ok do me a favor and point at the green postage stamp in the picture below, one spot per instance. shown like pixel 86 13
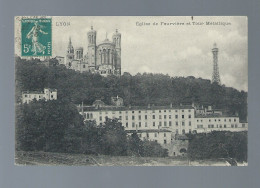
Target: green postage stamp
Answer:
pixel 36 39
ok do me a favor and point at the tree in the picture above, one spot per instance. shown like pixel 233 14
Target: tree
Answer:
pixel 48 126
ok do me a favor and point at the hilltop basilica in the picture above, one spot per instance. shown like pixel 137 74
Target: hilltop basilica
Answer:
pixel 103 58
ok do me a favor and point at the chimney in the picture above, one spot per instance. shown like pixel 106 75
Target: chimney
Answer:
pixel 149 106
pixel 129 106
pixel 171 105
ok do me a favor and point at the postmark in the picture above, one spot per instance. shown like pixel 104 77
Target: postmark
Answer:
pixel 36 35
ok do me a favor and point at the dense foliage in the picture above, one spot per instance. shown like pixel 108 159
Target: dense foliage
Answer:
pixel 216 145
pixel 141 89
pixel 48 126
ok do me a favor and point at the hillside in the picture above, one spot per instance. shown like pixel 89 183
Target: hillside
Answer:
pixel 140 89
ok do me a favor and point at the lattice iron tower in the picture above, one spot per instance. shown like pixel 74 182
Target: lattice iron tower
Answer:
pixel 215 75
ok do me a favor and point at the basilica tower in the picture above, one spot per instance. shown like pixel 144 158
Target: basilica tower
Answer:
pixel 70 53
pixel 117 42
pixel 92 34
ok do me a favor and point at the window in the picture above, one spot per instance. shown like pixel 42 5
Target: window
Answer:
pixel 209 120
pixel 176 123
pixel 145 124
pixel 164 134
pixel 177 131
pixel 160 123
pixel 218 119
pixel 170 123
pixel 165 117
pixel 229 120
pixel 220 126
pixel 232 126
pixel 140 124
pixel 145 116
pixel 160 117
pixel 183 123
pixel 25 95
pixel 225 120
pixel 234 120
pixel 133 117
pixel 199 126
pixel 189 116
pixel 126 118
pixel 159 111
pixel 189 130
pixel 139 111
pixel 182 116
pixel 182 110
pixel 100 118
pixel 154 124
pixel 225 126
pixel 147 134
pixel 189 123
pixel 139 118
pixel 133 111
pixel 215 120
pixel 197 120
pixel 165 142
pixel 120 112
pixel 169 110
pixel 170 117
pixel 51 96
pixel 126 124
pixel 133 124
pixel 155 134
pixel 120 117
pixel 164 110
pixel 189 110
pixel 153 116
pixel 153 111
pixel 183 131
pixel 176 111
pixel 176 116
pixel 165 123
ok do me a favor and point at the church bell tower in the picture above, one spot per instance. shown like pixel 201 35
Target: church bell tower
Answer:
pixel 117 42
pixel 92 34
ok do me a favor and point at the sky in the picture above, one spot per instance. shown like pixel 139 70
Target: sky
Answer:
pixel 176 50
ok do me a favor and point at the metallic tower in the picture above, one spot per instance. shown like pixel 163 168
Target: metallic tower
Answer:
pixel 215 75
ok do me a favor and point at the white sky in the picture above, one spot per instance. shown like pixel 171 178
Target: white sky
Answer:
pixel 174 50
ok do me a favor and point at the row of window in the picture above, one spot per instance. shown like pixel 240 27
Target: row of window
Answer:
pixel 219 126
pixel 160 124
pixel 201 120
pixel 153 111
pixel 146 117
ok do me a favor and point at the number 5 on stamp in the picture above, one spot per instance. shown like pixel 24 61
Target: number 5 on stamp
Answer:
pixel 36 37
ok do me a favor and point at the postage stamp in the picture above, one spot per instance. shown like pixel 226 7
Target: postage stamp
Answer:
pixel 36 37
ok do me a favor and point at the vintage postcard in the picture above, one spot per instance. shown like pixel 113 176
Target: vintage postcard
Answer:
pixel 131 91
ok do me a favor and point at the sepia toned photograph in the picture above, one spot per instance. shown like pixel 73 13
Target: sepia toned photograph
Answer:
pixel 131 91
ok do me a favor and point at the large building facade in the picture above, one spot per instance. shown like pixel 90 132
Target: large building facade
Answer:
pixel 161 123
pixel 103 58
